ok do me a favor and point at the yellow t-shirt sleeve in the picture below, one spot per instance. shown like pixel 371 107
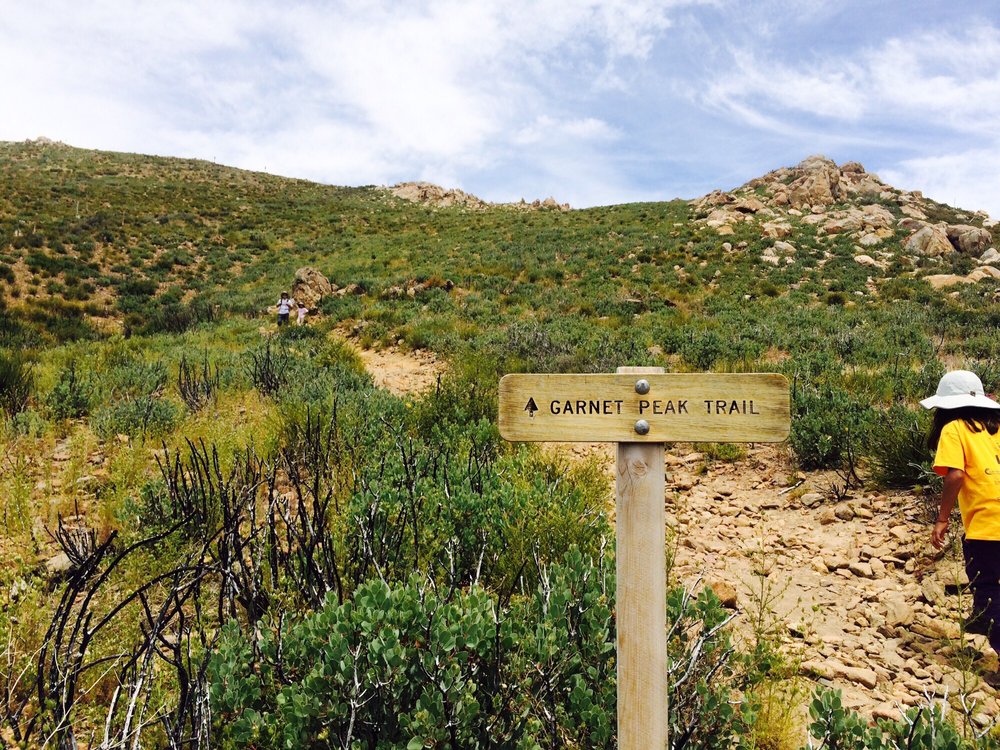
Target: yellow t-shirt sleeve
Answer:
pixel 950 454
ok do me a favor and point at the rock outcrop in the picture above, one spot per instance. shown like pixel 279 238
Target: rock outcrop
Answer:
pixel 310 287
pixel 429 194
pixel 930 242
pixel 886 226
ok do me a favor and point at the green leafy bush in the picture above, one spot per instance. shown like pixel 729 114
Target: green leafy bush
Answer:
pixel 413 666
pixel 71 396
pixel 829 426
pixel 131 377
pixel 923 728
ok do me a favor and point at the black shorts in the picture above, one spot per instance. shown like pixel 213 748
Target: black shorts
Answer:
pixel 982 565
pixel 282 319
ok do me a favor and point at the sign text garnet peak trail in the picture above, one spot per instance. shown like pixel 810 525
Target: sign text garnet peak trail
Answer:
pixel 702 407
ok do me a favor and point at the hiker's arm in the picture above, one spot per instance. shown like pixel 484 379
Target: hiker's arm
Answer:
pixel 953 481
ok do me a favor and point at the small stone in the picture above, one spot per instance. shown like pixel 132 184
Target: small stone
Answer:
pixel 797 629
pixel 860 569
pixel 932 590
pixel 888 711
pixel 725 592
pixel 58 566
pixel 901 533
pixel 898 612
pixel 844 512
pixel 811 499
pixel 835 562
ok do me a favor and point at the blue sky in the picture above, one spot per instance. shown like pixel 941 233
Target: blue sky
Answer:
pixel 592 102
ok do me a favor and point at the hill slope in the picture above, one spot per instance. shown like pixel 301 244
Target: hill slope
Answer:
pixel 818 271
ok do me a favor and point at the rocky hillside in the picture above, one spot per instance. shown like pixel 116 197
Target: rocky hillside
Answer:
pixel 137 315
pixel 847 201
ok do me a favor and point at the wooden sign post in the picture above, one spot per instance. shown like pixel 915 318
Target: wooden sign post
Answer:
pixel 640 409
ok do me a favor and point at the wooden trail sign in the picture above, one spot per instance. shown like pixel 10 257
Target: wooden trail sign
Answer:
pixel 611 408
pixel 641 408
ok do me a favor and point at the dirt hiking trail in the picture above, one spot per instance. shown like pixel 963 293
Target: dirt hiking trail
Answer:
pixel 402 373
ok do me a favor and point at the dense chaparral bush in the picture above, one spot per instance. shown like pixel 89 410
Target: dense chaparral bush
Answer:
pixel 414 665
pixel 829 426
pixel 72 396
pixel 896 448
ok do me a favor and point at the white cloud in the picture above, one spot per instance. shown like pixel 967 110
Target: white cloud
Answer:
pixel 940 79
pixel 966 179
pixel 575 98
pixel 546 128
pixel 349 92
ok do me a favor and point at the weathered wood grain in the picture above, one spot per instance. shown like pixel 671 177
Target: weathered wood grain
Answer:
pixel 640 609
pixel 697 407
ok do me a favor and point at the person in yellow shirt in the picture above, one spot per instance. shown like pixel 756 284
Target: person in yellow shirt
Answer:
pixel 965 436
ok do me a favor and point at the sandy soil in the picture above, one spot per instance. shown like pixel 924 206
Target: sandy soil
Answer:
pixel 402 372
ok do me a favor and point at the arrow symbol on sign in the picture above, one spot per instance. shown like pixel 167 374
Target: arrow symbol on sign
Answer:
pixel 531 407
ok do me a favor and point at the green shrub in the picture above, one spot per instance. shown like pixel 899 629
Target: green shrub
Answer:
pixel 410 665
pixel 16 382
pixel 924 728
pixel 143 416
pixel 829 426
pixel 702 349
pixel 72 396
pixel 896 447
pixel 28 423
pixel 131 378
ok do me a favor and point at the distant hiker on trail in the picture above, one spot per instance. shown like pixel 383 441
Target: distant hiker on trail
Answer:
pixel 301 314
pixel 285 305
pixel 966 437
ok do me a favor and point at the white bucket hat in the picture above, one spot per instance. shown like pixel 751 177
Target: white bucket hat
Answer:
pixel 959 388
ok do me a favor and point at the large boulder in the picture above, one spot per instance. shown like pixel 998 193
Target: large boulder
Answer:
pixel 944 280
pixel 310 287
pixel 844 221
pixel 819 185
pixel 929 241
pixel 748 205
pixel 878 217
pixel 984 272
pixel 969 239
pixel 990 256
